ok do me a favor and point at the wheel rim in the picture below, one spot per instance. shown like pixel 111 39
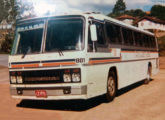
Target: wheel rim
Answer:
pixel 111 86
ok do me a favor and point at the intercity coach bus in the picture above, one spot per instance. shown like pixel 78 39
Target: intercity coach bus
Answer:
pixel 79 56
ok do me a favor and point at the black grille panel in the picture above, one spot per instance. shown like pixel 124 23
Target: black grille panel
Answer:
pixel 45 76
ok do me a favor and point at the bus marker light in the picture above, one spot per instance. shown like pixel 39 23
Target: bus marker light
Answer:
pixel 67 71
pixel 13 79
pixel 67 77
pixel 76 70
pixel 76 77
pixel 19 79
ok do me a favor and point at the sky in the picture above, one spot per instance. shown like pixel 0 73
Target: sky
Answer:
pixel 103 6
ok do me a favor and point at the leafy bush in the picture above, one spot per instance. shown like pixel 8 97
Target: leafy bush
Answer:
pixel 7 43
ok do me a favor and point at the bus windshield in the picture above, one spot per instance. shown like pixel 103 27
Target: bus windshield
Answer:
pixel 29 38
pixel 61 35
pixel 64 34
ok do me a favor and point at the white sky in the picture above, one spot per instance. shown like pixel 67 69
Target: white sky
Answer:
pixel 103 6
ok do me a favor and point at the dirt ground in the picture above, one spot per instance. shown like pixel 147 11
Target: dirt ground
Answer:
pixel 137 102
pixel 162 62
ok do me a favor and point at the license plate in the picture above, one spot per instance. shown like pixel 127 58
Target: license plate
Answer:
pixel 41 93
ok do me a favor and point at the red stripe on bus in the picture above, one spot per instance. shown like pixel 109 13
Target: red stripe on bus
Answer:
pixel 25 66
pixel 137 52
pixel 58 64
pixel 44 65
pixel 103 61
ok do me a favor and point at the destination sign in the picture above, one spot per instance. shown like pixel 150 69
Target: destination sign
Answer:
pixel 30 27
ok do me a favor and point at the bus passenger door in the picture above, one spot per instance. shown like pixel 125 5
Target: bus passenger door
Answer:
pixel 98 52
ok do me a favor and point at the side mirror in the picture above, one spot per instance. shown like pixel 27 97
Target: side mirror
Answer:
pixel 93 33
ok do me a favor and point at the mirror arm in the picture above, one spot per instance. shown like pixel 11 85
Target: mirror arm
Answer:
pixel 94 47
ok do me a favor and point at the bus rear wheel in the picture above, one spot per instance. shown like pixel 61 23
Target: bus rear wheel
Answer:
pixel 149 72
pixel 111 87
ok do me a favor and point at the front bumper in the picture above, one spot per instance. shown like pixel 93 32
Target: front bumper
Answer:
pixel 53 93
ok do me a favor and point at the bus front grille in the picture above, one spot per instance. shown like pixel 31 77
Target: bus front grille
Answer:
pixel 45 76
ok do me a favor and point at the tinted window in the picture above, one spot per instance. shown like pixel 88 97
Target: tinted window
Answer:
pixel 138 39
pixel 30 41
pixel 113 33
pixel 100 33
pixel 128 36
pixel 29 38
pixel 153 42
pixel 146 41
pixel 64 35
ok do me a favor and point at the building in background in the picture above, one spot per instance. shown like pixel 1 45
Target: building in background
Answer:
pixel 127 19
pixel 148 23
pixel 151 24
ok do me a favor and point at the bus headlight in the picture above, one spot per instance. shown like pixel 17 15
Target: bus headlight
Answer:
pixel 67 77
pixel 76 77
pixel 19 79
pixel 13 79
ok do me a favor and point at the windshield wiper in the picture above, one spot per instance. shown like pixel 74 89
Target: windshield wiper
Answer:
pixel 24 54
pixel 60 52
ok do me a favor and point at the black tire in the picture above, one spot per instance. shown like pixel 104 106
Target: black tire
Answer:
pixel 111 87
pixel 149 73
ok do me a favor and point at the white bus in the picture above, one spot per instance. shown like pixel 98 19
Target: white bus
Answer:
pixel 79 56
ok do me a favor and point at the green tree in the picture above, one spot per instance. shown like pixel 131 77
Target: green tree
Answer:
pixel 7 43
pixel 135 13
pixel 4 7
pixel 158 11
pixel 10 10
pixel 119 7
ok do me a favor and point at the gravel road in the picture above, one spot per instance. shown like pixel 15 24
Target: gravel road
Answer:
pixel 137 102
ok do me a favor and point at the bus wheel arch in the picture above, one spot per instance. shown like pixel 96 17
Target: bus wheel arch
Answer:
pixel 150 64
pixel 150 69
pixel 112 84
pixel 149 73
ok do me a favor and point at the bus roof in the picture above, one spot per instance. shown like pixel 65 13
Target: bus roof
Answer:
pixel 93 15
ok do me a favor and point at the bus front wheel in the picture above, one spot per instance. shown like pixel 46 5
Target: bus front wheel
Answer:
pixel 111 87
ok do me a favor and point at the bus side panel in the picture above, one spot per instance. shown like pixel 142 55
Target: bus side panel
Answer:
pixel 131 72
pixel 97 79
pixel 127 72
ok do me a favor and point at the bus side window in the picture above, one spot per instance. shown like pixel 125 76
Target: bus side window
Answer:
pixel 100 33
pixel 136 36
pixel 90 47
pixel 113 33
pixel 128 36
pixel 101 42
pixel 145 41
pixel 153 42
pixel 141 40
pixel 149 41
